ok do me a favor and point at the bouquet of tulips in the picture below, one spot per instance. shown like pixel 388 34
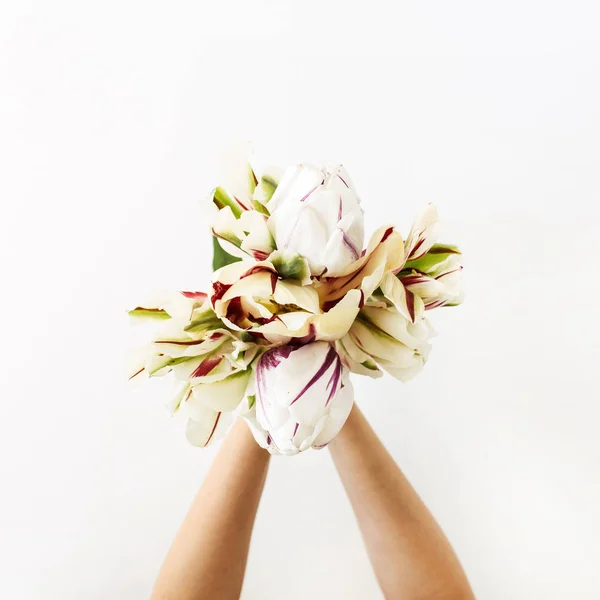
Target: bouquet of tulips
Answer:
pixel 295 305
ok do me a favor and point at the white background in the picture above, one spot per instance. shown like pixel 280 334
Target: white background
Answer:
pixel 112 118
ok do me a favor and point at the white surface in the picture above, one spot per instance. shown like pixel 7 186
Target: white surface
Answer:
pixel 113 115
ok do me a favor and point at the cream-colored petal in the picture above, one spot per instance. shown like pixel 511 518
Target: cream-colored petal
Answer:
pixel 290 292
pixel 406 302
pixel 210 426
pixel 222 395
pixel 384 253
pixel 423 233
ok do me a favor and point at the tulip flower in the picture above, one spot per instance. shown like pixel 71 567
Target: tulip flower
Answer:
pixel 430 274
pixel 423 233
pixel 384 254
pixel 316 213
pixel 303 398
pixel 246 235
pixel 436 277
pixel 381 337
pixel 253 298
pixel 250 186
pixel 241 222
pixel 212 363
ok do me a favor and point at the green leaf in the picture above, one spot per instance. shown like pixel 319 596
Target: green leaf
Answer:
pixel 251 401
pixel 220 256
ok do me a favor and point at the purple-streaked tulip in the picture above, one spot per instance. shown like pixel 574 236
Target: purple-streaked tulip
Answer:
pixel 381 337
pixel 303 397
pixel 436 277
pixel 212 363
pixel 246 235
pixel 316 213
pixel 384 254
pixel 423 233
pixel 241 222
pixel 253 298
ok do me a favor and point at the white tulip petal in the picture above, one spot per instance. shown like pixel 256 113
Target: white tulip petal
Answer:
pixel 275 339
pixel 213 369
pixel 232 249
pixel 308 405
pixel 255 309
pixel 187 347
pixel 136 361
pixel 224 395
pixel 338 415
pixel 350 348
pixel 296 185
pixel 181 396
pixel 352 224
pixel 406 302
pixel 304 297
pixel 423 234
pixel 368 368
pixel 267 184
pixel 326 204
pixel 404 374
pixel 231 273
pixel 422 285
pixel 301 229
pixel 340 252
pixel 384 253
pixel 308 441
pixel 269 414
pixel 260 435
pixel 225 224
pixel 338 178
pixel 380 345
pixel 333 324
pixel 259 284
pixel 393 324
pixel 210 426
pixel 293 324
pixel 238 175
pixel 157 366
pixel 257 240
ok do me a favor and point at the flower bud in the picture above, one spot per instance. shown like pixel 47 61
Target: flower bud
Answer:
pixel 303 398
pixel 315 212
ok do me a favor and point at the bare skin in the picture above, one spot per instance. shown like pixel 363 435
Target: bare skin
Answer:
pixel 208 557
pixel 410 554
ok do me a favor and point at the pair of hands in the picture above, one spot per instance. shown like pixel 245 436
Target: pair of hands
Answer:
pixel 410 554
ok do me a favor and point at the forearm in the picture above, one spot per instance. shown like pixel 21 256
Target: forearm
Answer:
pixel 410 554
pixel 208 557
